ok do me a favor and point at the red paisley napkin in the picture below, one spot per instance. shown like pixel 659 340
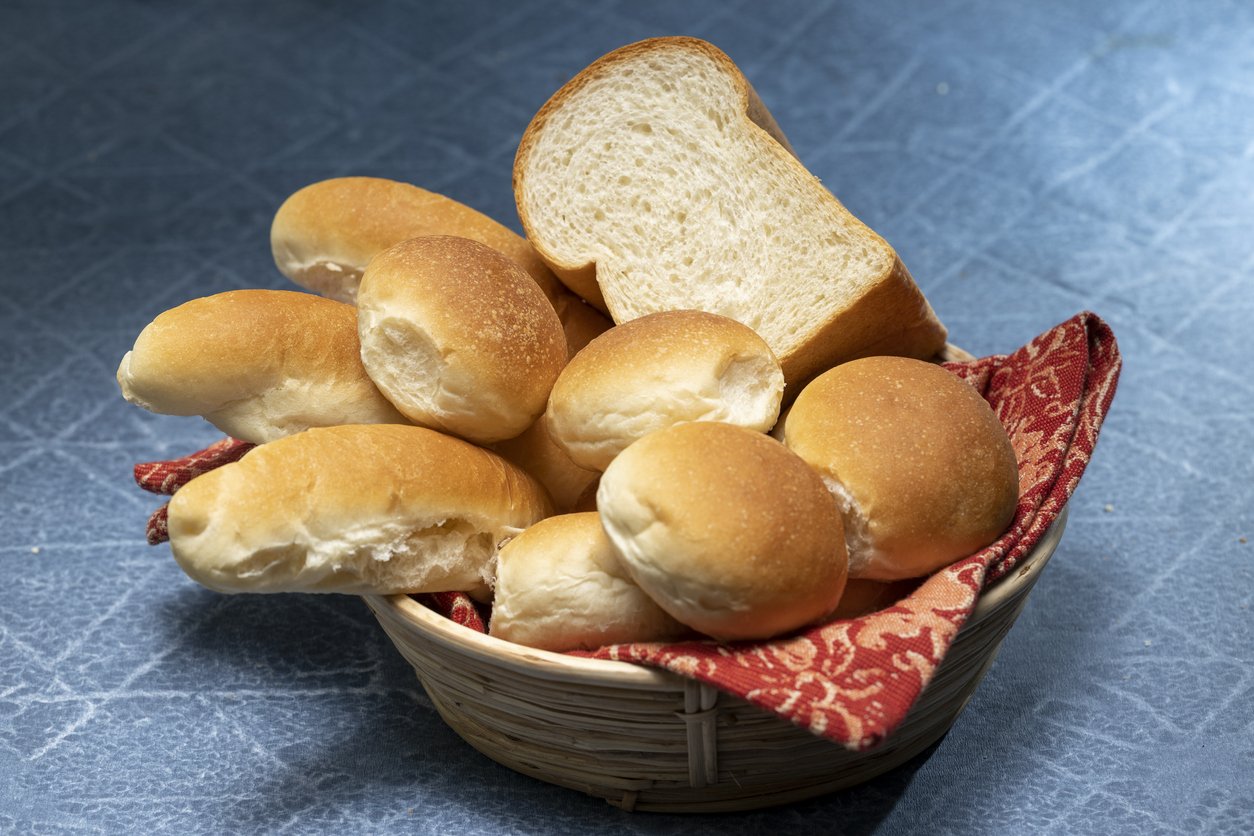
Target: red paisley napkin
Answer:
pixel 853 680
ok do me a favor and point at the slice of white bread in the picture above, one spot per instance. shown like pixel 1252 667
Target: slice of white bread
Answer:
pixel 658 172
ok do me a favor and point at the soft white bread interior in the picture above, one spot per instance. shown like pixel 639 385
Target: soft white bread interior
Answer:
pixel 659 370
pixel 359 509
pixel 726 529
pixel 257 364
pixel 560 586
pixel 458 337
pixel 324 235
pixel 536 452
pixel 922 468
pixel 655 170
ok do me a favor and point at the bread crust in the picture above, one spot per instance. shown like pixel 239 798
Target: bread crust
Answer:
pixel 257 364
pixel 377 509
pixel 892 317
pixel 925 469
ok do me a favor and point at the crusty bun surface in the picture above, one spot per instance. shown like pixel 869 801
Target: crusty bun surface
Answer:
pixel 257 364
pixel 376 509
pixel 657 174
pixel 725 529
pixel 536 452
pixel 325 234
pixel 458 337
pixel 659 370
pixel 923 470
pixel 560 586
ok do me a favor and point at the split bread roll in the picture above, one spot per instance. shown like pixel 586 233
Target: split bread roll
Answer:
pixel 458 337
pixel 659 370
pixel 365 509
pixel 325 234
pixel 921 466
pixel 560 586
pixel 656 174
pixel 257 364
pixel 726 529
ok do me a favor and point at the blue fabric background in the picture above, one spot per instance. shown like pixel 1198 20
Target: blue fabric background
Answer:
pixel 1028 160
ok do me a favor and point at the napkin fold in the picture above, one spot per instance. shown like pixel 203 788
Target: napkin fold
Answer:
pixel 854 680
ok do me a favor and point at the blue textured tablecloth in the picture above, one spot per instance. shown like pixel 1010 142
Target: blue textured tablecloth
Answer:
pixel 1028 160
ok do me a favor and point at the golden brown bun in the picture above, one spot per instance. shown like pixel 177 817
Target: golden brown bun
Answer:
pixel 659 370
pixel 535 452
pixel 726 529
pixel 257 364
pixel 560 586
pixel 863 597
pixel 922 467
pixel 360 509
pixel 324 235
pixel 458 337
pixel 658 174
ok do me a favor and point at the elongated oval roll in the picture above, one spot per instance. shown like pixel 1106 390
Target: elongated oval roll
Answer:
pixel 725 529
pixel 458 337
pixel 257 364
pixel 560 586
pixel 923 469
pixel 359 509
pixel 325 234
pixel 659 370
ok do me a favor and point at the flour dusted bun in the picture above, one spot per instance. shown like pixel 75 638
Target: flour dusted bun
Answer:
pixel 536 452
pixel 923 469
pixel 560 586
pixel 725 529
pixel 324 235
pixel 458 337
pixel 657 173
pixel 257 364
pixel 358 509
pixel 659 370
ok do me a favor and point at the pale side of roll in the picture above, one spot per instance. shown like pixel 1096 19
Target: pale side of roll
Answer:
pixel 726 529
pixel 921 466
pixel 536 452
pixel 659 370
pixel 257 364
pixel 458 338
pixel 364 509
pixel 325 234
pixel 560 586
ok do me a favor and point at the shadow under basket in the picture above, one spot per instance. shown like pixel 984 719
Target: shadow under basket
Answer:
pixel 646 739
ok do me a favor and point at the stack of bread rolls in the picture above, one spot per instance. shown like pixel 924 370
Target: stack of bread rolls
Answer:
pixel 460 413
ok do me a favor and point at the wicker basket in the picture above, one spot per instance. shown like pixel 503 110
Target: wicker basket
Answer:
pixel 646 739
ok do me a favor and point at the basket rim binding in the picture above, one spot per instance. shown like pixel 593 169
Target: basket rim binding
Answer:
pixel 544 664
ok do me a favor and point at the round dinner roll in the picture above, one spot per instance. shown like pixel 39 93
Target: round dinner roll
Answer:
pixel 535 452
pixel 659 370
pixel 458 338
pixel 560 586
pixel 325 234
pixel 364 509
pixel 257 364
pixel 922 468
pixel 725 529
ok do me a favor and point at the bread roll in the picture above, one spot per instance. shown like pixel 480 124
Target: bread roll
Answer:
pixel 657 174
pixel 359 509
pixel 863 597
pixel 923 469
pixel 324 235
pixel 725 529
pixel 257 364
pixel 559 586
pixel 659 370
pixel 536 452
pixel 458 337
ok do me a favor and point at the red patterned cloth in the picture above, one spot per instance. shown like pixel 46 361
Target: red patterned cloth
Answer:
pixel 853 680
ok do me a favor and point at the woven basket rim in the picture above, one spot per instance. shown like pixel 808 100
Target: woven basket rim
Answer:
pixel 546 664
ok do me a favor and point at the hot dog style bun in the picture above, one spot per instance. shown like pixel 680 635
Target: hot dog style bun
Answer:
pixel 373 509
pixel 923 470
